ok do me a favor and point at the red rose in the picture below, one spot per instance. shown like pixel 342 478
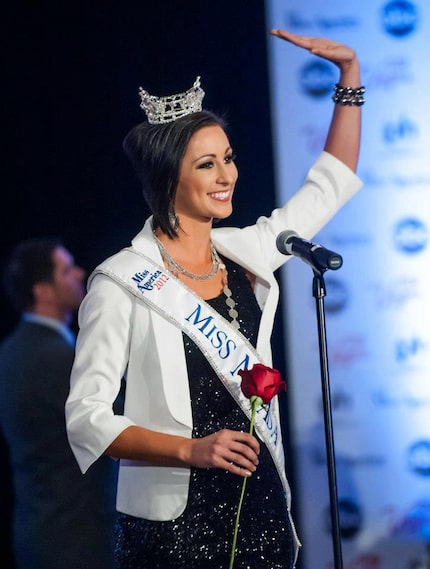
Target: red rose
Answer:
pixel 261 381
pixel 260 385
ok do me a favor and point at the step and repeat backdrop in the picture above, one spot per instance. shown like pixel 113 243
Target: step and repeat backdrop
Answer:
pixel 378 304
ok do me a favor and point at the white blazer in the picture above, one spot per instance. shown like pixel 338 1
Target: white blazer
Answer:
pixel 120 336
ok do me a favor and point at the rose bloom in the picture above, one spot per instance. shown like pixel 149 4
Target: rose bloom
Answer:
pixel 261 381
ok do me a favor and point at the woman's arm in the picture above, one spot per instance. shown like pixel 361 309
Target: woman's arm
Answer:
pixel 106 318
pixel 343 138
pixel 234 451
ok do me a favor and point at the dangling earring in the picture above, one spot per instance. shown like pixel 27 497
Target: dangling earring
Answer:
pixel 173 218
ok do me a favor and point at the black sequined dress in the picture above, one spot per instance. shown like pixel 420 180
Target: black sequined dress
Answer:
pixel 201 538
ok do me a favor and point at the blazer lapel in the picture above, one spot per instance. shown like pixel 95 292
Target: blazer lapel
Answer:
pixel 169 341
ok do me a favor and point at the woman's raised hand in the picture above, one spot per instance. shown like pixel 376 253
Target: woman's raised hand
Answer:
pixel 343 137
pixel 338 53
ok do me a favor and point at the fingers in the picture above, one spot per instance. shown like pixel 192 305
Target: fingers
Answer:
pixel 241 459
pixel 328 49
pixel 247 442
pixel 301 41
pixel 318 46
pixel 314 45
pixel 233 451
pixel 238 452
pixel 238 470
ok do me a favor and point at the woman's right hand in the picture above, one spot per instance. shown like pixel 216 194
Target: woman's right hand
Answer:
pixel 233 451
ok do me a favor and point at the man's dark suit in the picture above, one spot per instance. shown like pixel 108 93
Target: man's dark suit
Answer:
pixel 62 519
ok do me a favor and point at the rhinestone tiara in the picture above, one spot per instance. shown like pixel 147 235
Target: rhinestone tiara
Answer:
pixel 160 110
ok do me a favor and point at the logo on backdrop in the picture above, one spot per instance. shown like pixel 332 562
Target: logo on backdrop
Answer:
pixel 389 398
pixel 317 78
pixel 402 130
pixel 350 518
pixel 395 179
pixel 414 523
pixel 337 295
pixel 341 400
pixel 418 457
pixel 301 21
pixel 410 236
pixel 356 238
pixel 392 70
pixel 348 350
pixel 399 18
pixel 406 350
pixel 394 294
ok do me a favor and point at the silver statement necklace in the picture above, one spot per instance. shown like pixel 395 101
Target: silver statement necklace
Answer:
pixel 175 268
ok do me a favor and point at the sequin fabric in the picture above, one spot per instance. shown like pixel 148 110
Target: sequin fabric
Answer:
pixel 201 537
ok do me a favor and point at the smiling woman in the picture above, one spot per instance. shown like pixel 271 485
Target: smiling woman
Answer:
pixel 179 314
pixel 207 178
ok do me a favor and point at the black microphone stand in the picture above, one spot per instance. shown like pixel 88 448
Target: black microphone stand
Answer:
pixel 320 259
pixel 319 292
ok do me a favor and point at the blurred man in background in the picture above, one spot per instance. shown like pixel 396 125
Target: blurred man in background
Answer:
pixel 61 518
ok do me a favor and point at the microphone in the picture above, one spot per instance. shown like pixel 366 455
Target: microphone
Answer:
pixel 320 258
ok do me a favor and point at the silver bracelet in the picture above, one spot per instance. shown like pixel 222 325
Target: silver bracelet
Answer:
pixel 348 95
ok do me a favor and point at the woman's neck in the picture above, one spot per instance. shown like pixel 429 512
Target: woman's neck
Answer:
pixel 192 244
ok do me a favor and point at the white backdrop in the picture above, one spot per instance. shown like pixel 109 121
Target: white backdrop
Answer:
pixel 378 303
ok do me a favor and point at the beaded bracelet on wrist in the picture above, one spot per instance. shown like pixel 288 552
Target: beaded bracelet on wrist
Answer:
pixel 348 95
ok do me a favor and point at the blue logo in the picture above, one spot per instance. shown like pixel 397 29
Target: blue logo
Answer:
pixel 341 400
pixel 416 524
pixel 336 298
pixel 350 518
pixel 399 18
pixel 419 458
pixel 403 129
pixel 406 350
pixel 410 236
pixel 317 78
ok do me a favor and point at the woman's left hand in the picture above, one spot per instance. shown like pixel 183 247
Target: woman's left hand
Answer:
pixel 341 55
pixel 343 138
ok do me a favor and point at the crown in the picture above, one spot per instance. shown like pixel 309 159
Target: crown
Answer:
pixel 161 110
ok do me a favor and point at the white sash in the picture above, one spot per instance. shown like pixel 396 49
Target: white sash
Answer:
pixel 225 348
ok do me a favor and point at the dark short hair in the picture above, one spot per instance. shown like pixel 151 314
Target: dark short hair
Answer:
pixel 31 262
pixel 156 152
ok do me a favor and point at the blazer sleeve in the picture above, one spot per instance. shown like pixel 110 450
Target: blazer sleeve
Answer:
pixel 329 184
pixel 102 350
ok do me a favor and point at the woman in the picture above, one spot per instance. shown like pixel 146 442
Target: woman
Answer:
pixel 178 314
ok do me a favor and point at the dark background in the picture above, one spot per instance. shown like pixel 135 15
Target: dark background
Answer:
pixel 70 94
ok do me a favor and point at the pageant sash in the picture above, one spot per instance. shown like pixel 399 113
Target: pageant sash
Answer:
pixel 226 349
